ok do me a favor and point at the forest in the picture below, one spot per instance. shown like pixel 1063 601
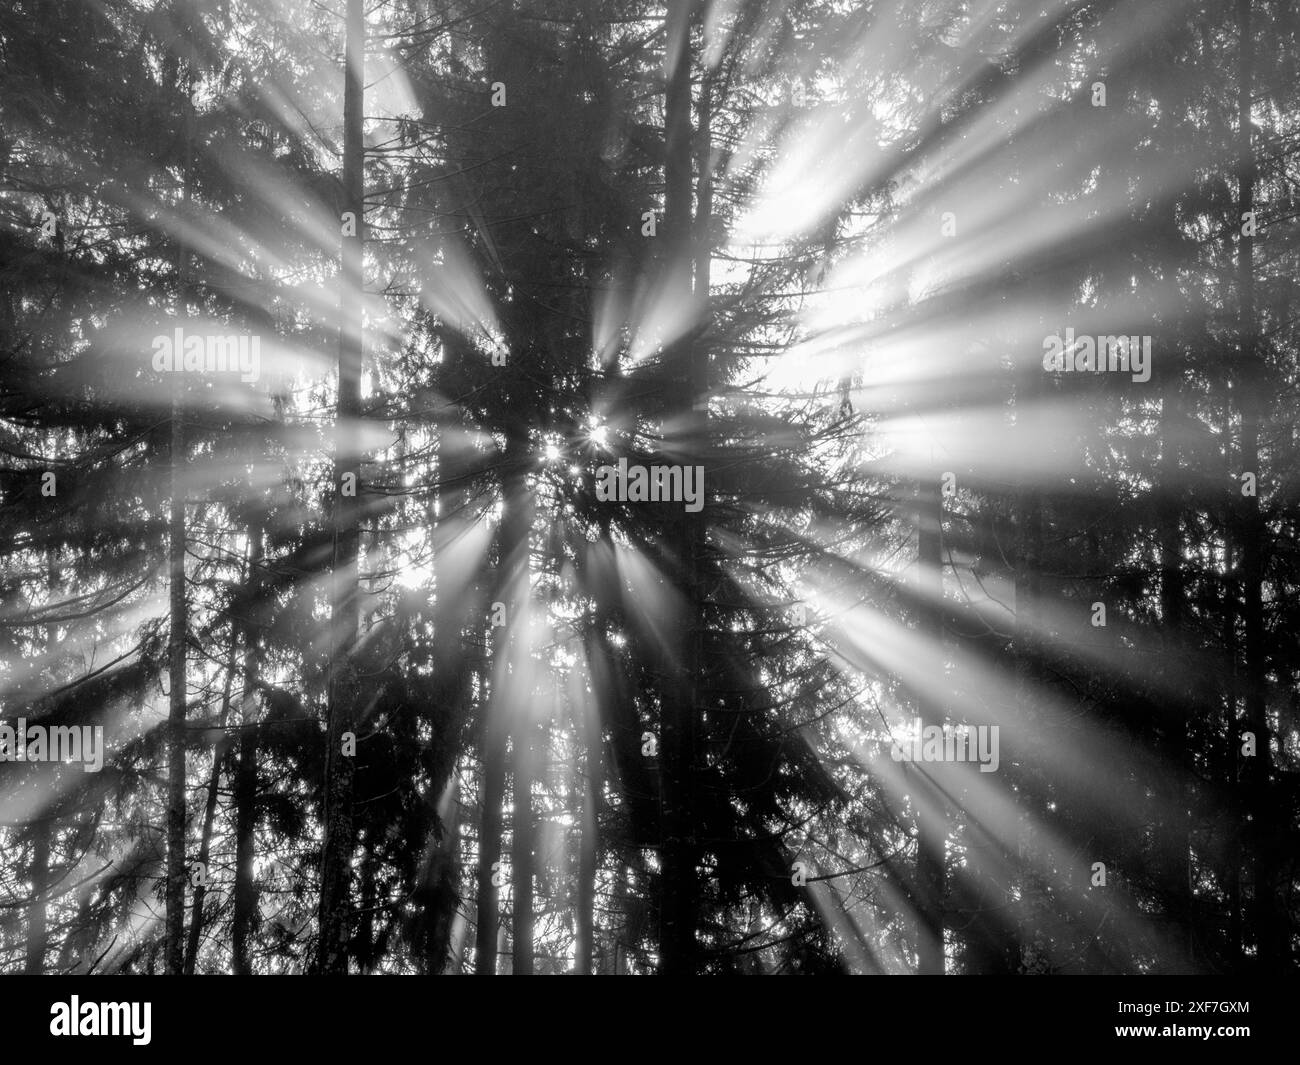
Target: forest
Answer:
pixel 626 487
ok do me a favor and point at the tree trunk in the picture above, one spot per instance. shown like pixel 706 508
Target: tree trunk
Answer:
pixel 1029 676
pixel 1176 828
pixel 589 840
pixel 492 738
pixel 1230 754
pixel 523 843
pixel 1269 942
pixel 37 908
pixel 334 917
pixel 173 951
pixel 219 753
pixel 931 824
pixel 245 902
pixel 678 951
pixel 506 702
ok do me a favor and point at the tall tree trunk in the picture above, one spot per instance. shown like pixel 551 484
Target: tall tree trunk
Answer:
pixel 520 697
pixel 678 950
pixel 531 733
pixel 1230 754
pixel 506 702
pixel 605 684
pixel 219 753
pixel 616 958
pixel 523 842
pixel 364 933
pixel 37 909
pixel 455 668
pixel 176 705
pixel 1027 652
pixel 245 902
pixel 1176 828
pixel 589 839
pixel 334 918
pixel 174 942
pixel 1269 943
pixel 931 824
pixel 492 739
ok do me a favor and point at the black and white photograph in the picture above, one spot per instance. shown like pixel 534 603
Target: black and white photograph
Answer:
pixel 650 488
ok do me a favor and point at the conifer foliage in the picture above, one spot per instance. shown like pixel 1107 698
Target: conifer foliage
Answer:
pixel 691 487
